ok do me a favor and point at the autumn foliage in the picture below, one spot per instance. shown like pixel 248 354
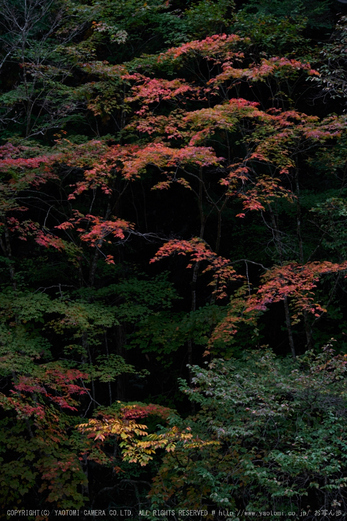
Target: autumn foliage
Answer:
pixel 172 212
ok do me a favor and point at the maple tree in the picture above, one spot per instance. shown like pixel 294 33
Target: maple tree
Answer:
pixel 174 206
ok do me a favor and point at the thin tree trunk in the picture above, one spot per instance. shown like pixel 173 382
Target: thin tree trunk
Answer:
pixel 308 329
pixel 289 327
pixel 279 247
pixel 108 355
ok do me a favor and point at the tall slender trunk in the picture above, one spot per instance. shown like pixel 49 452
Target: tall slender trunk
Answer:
pixel 289 327
pixel 193 283
pixel 108 355
pixel 6 248
pixel 86 347
pixel 192 308
pixel 308 329
pixel 278 242
pixel 122 379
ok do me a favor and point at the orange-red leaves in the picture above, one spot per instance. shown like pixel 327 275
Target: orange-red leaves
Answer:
pixel 154 90
pixel 55 384
pixel 280 66
pixel 95 231
pixel 213 47
pixel 142 411
pixel 274 64
pixel 164 157
pixel 295 281
pixel 101 228
pixel 199 251
pixel 50 240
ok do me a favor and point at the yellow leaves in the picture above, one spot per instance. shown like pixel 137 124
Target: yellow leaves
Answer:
pixel 100 429
pixel 141 451
pixel 137 445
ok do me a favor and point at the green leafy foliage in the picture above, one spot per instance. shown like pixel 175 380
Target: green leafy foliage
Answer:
pixel 279 434
pixel 172 190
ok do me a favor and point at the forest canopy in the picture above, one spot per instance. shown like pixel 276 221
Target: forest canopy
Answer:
pixel 173 257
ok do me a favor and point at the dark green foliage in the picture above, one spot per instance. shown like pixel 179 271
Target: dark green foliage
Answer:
pixel 279 431
pixel 172 225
